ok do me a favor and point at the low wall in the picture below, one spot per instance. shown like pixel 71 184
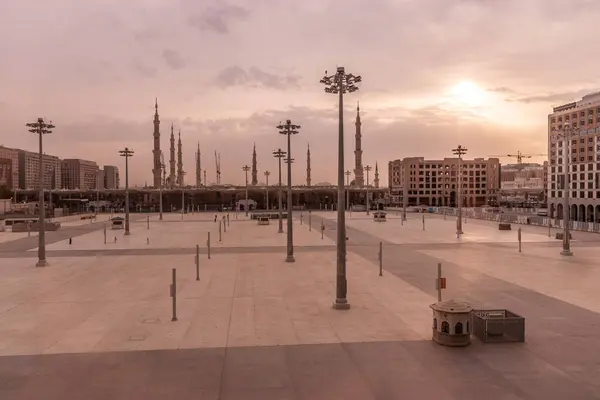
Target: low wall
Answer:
pixel 35 227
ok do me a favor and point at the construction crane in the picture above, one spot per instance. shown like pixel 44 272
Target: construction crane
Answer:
pixel 218 165
pixel 520 156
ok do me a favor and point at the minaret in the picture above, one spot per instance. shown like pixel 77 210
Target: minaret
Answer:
pixel 254 170
pixel 156 170
pixel 308 166
pixel 179 161
pixel 172 175
pixel 358 167
pixel 198 168
pixel 376 180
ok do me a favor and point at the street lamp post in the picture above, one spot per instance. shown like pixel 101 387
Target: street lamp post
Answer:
pixel 279 154
pixel 97 194
pixel 246 168
pixel 160 188
pixel 341 83
pixel 347 173
pixel 289 129
pixel 182 195
pixel 127 152
pixel 459 151
pixel 368 168
pixel 267 173
pixel 566 134
pixel 41 128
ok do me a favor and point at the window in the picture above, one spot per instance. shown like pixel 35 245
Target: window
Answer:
pixel 458 329
pixel 435 323
pixel 445 327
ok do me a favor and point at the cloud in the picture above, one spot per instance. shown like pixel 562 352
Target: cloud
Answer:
pixel 218 19
pixel 255 77
pixel 552 98
pixel 144 69
pixel 173 59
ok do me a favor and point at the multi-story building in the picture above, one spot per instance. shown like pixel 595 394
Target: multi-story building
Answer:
pixel 79 174
pixel 581 121
pixel 111 177
pixel 435 182
pixel 7 153
pixel 29 167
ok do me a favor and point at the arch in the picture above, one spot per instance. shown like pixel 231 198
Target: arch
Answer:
pixel 458 328
pixel 573 216
pixel 552 210
pixel 434 201
pixel 559 211
pixel 590 213
pixel 435 323
pixel 597 214
pixel 445 327
pixel 581 214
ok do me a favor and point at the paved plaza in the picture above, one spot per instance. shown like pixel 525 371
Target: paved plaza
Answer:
pixel 96 323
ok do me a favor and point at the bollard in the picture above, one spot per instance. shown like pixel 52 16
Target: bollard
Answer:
pixel 104 233
pixel 70 241
pixel 228 219
pixel 208 245
pixel 174 294
pixel 310 221
pixel 549 227
pixel 224 225
pixel 148 222
pixel 380 258
pixel 322 229
pixel 519 238
pixel 301 218
pixel 115 239
pixel 220 238
pixel 147 240
pixel 29 229
pixel 197 262
pixel 423 221
pixel 402 221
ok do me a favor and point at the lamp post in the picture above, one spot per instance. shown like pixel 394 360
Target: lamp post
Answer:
pixel 566 134
pixel 127 152
pixel 289 129
pixel 267 173
pixel 163 171
pixel 279 154
pixel 97 194
pixel 367 169
pixel 41 128
pixel 341 83
pixel 347 173
pixel 459 151
pixel 246 168
pixel 182 195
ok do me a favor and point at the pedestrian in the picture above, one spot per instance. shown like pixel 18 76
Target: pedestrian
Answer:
pixel 215 217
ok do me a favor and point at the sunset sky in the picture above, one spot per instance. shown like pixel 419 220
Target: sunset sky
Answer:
pixel 436 73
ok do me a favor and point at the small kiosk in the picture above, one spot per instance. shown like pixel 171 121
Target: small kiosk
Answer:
pixel 118 223
pixel 379 216
pixel 451 323
pixel 263 220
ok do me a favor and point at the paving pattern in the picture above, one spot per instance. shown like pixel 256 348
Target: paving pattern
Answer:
pixel 96 323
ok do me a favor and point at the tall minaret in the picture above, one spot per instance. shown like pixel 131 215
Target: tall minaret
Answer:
pixel 254 169
pixel 198 168
pixel 358 167
pixel 172 175
pixel 156 170
pixel 179 161
pixel 376 180
pixel 308 166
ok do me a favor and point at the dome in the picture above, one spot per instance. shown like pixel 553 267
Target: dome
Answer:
pixel 451 306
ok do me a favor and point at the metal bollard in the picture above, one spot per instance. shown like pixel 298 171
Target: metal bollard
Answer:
pixel 208 245
pixel 301 218
pixel 220 229
pixel 228 219
pixel 309 221
pixel 380 258
pixel 402 221
pixel 115 239
pixel 29 229
pixel 70 241
pixel 224 225
pixel 549 227
pixel 148 222
pixel 519 237
pixel 423 221
pixel 322 229
pixel 147 240
pixel 197 262
pixel 174 294
pixel 104 233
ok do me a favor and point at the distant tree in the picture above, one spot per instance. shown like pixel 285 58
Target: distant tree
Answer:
pixel 5 192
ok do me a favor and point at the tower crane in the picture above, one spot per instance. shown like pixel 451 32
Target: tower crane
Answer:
pixel 520 156
pixel 218 166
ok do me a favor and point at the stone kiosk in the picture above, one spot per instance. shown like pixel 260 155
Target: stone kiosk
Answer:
pixel 117 223
pixel 451 323
pixel 379 216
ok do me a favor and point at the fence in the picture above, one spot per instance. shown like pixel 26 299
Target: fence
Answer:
pixel 497 326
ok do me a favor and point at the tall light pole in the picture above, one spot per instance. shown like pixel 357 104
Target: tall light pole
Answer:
pixel 41 128
pixel 246 168
pixel 163 172
pixel 341 83
pixel 347 173
pixel 267 173
pixel 459 151
pixel 279 154
pixel 182 195
pixel 566 134
pixel 97 193
pixel 127 152
pixel 289 129
pixel 368 168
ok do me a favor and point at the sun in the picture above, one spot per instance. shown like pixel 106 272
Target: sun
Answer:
pixel 467 93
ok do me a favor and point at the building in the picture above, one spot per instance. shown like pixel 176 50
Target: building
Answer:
pixel 7 153
pixel 79 174
pixel 29 163
pixel 435 182
pixel 111 177
pixel 583 117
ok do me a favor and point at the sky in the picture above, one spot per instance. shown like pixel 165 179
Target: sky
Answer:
pixel 435 74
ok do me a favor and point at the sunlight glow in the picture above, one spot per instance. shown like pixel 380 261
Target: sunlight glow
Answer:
pixel 468 93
